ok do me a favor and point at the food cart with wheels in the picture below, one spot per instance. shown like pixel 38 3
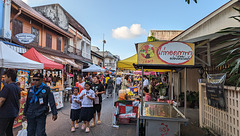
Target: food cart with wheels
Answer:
pixel 126 107
pixel 156 118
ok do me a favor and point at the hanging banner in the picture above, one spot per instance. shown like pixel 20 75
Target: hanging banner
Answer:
pixel 22 78
pixel 18 120
pixel 166 53
pixel 215 90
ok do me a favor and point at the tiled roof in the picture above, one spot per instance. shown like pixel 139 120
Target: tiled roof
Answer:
pixel 34 14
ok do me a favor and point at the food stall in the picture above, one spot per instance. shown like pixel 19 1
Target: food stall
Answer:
pixel 11 59
pixel 50 68
pixel 164 117
pixel 126 107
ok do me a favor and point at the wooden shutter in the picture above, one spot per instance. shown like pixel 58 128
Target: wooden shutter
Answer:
pixel 17 27
pixel 59 44
pixel 49 41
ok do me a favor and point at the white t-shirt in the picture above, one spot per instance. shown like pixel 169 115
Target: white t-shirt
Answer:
pixel 74 104
pixel 86 102
pixel 118 80
pixel 145 83
pixel 82 84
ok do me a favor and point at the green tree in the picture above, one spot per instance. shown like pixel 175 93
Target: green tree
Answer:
pixel 151 39
pixel 230 56
pixel 188 1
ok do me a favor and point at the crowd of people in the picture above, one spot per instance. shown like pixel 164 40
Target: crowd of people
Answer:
pixel 86 100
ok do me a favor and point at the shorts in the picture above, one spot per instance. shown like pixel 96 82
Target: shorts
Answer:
pixel 87 113
pixel 75 114
pixel 97 108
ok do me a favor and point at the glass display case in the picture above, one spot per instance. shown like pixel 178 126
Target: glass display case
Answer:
pixel 159 119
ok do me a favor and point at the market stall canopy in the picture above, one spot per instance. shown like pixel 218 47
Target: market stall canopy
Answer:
pixel 93 68
pixel 11 59
pixel 127 64
pixel 36 56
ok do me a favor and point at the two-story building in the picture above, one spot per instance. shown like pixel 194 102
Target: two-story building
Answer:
pixel 110 60
pixel 78 46
pixel 49 38
pixel 96 58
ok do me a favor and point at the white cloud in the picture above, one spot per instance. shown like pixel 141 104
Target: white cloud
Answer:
pixel 128 33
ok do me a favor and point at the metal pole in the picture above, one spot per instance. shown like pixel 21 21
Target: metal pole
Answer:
pixel 178 88
pixel 114 95
pixel 185 92
pixel 104 41
pixel 1 78
pixel 142 95
pixel 172 85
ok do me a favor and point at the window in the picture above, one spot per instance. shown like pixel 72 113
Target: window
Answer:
pixel 17 27
pixel 59 44
pixel 35 32
pixel 49 41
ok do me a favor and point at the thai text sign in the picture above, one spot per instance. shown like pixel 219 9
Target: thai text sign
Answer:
pixel 166 53
pixel 215 90
pixel 25 38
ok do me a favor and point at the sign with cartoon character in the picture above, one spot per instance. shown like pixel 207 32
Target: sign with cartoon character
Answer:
pixel 166 53
pixel 22 78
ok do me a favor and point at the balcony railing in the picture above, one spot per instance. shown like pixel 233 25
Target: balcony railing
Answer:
pixel 74 50
pixel 110 64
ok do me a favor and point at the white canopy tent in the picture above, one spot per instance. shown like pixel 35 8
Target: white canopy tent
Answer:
pixel 11 59
pixel 93 68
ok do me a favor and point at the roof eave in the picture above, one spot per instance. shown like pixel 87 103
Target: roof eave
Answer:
pixel 202 21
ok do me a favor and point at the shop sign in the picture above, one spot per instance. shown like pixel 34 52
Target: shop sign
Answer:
pixel 166 53
pixel 25 38
pixel 215 90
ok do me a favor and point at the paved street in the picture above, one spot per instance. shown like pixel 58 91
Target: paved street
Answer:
pixel 62 126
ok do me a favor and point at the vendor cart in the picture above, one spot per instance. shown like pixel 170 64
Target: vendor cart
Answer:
pixel 163 119
pixel 159 119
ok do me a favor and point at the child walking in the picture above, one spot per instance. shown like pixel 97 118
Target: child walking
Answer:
pixel 75 108
pixel 87 96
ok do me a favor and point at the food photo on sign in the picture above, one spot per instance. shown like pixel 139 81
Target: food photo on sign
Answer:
pixel 166 53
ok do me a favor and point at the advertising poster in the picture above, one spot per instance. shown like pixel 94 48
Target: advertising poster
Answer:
pixel 58 99
pixel 215 91
pixel 18 120
pixel 166 53
pixel 22 78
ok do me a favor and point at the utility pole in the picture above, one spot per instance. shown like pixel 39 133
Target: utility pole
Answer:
pixel 104 41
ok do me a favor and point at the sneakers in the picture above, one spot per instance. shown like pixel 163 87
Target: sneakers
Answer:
pixel 87 130
pixel 92 125
pixel 73 129
pixel 99 122
pixel 83 126
pixel 76 126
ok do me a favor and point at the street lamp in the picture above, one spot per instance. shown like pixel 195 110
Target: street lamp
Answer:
pixel 104 41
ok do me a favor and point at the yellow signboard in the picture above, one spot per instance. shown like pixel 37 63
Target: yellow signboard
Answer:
pixel 166 53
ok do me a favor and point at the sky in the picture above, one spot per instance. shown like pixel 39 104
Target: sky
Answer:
pixel 123 23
